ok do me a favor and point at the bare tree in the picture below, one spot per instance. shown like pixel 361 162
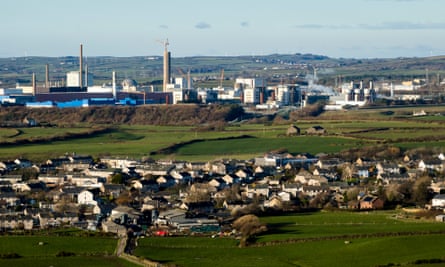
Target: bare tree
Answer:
pixel 248 225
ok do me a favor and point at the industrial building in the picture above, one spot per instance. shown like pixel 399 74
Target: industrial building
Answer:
pixel 80 91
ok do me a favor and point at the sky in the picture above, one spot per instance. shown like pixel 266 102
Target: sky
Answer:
pixel 334 28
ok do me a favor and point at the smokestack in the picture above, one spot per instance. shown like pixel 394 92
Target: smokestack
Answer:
pixel 81 67
pixel 167 69
pixel 114 85
pixel 34 86
pixel 189 80
pixel 86 75
pixel 47 76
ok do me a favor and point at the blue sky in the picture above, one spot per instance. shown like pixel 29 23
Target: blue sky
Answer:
pixel 336 28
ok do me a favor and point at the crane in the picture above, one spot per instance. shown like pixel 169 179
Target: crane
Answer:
pixel 164 43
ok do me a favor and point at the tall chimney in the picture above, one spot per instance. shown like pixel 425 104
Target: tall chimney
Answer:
pixel 81 67
pixel 47 76
pixel 86 75
pixel 114 85
pixel 34 86
pixel 167 69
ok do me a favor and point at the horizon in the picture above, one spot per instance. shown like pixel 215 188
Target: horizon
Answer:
pixel 337 29
pixel 219 56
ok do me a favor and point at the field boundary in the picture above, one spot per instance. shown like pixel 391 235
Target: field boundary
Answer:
pixel 344 237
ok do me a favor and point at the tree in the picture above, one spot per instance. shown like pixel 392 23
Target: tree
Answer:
pixel 421 191
pixel 248 225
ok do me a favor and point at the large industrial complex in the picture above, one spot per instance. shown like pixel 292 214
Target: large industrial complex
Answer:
pixel 78 89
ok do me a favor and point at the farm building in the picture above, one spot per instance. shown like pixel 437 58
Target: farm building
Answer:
pixel 438 201
pixel 292 131
pixel 316 130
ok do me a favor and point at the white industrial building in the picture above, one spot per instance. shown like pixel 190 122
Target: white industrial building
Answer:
pixel 252 89
pixel 73 79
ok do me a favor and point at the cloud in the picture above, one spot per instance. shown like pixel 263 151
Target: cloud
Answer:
pixel 393 25
pixel 202 25
pixel 244 24
pixel 163 26
pixel 323 26
pixel 403 25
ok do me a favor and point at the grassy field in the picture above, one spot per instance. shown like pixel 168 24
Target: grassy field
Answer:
pixel 318 240
pixel 88 251
pixel 346 130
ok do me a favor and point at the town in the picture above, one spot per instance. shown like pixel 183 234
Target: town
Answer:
pixel 162 197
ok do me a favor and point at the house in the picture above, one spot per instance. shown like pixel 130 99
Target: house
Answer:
pixel 71 192
pixel 292 131
pixel 10 199
pixel 216 167
pixel 257 190
pixel 11 222
pixel 86 198
pixel 274 202
pixel 165 181
pixel 362 172
pixel 242 174
pixel 440 218
pixel 77 163
pixel 58 162
pixel 85 181
pixel 218 183
pixel 385 167
pixel 230 179
pixel 431 165
pixel 292 189
pixel 109 226
pixel 438 201
pixel 23 163
pixel 154 169
pixel 329 174
pixel 30 122
pixel 181 177
pixel 329 163
pixel 11 178
pixel 371 202
pixel 125 214
pixel 52 179
pixel 313 191
pixel 8 166
pixel 284 196
pixel 145 185
pixel 389 178
pixel 198 208
pixel 316 130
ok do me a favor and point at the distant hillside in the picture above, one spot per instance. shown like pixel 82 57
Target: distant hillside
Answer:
pixel 143 115
pixel 206 70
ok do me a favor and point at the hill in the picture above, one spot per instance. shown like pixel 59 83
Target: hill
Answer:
pixel 206 71
pixel 141 115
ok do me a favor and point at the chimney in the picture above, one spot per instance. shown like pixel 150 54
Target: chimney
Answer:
pixel 81 66
pixel 34 86
pixel 86 75
pixel 47 76
pixel 114 85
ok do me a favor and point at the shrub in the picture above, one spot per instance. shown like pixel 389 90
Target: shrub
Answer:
pixel 12 255
pixel 65 254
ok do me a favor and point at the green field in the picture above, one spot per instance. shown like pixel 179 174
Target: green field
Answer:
pixel 313 239
pixel 351 129
pixel 43 250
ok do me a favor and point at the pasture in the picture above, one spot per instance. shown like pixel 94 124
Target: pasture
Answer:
pixel 345 130
pixel 62 251
pixel 312 239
